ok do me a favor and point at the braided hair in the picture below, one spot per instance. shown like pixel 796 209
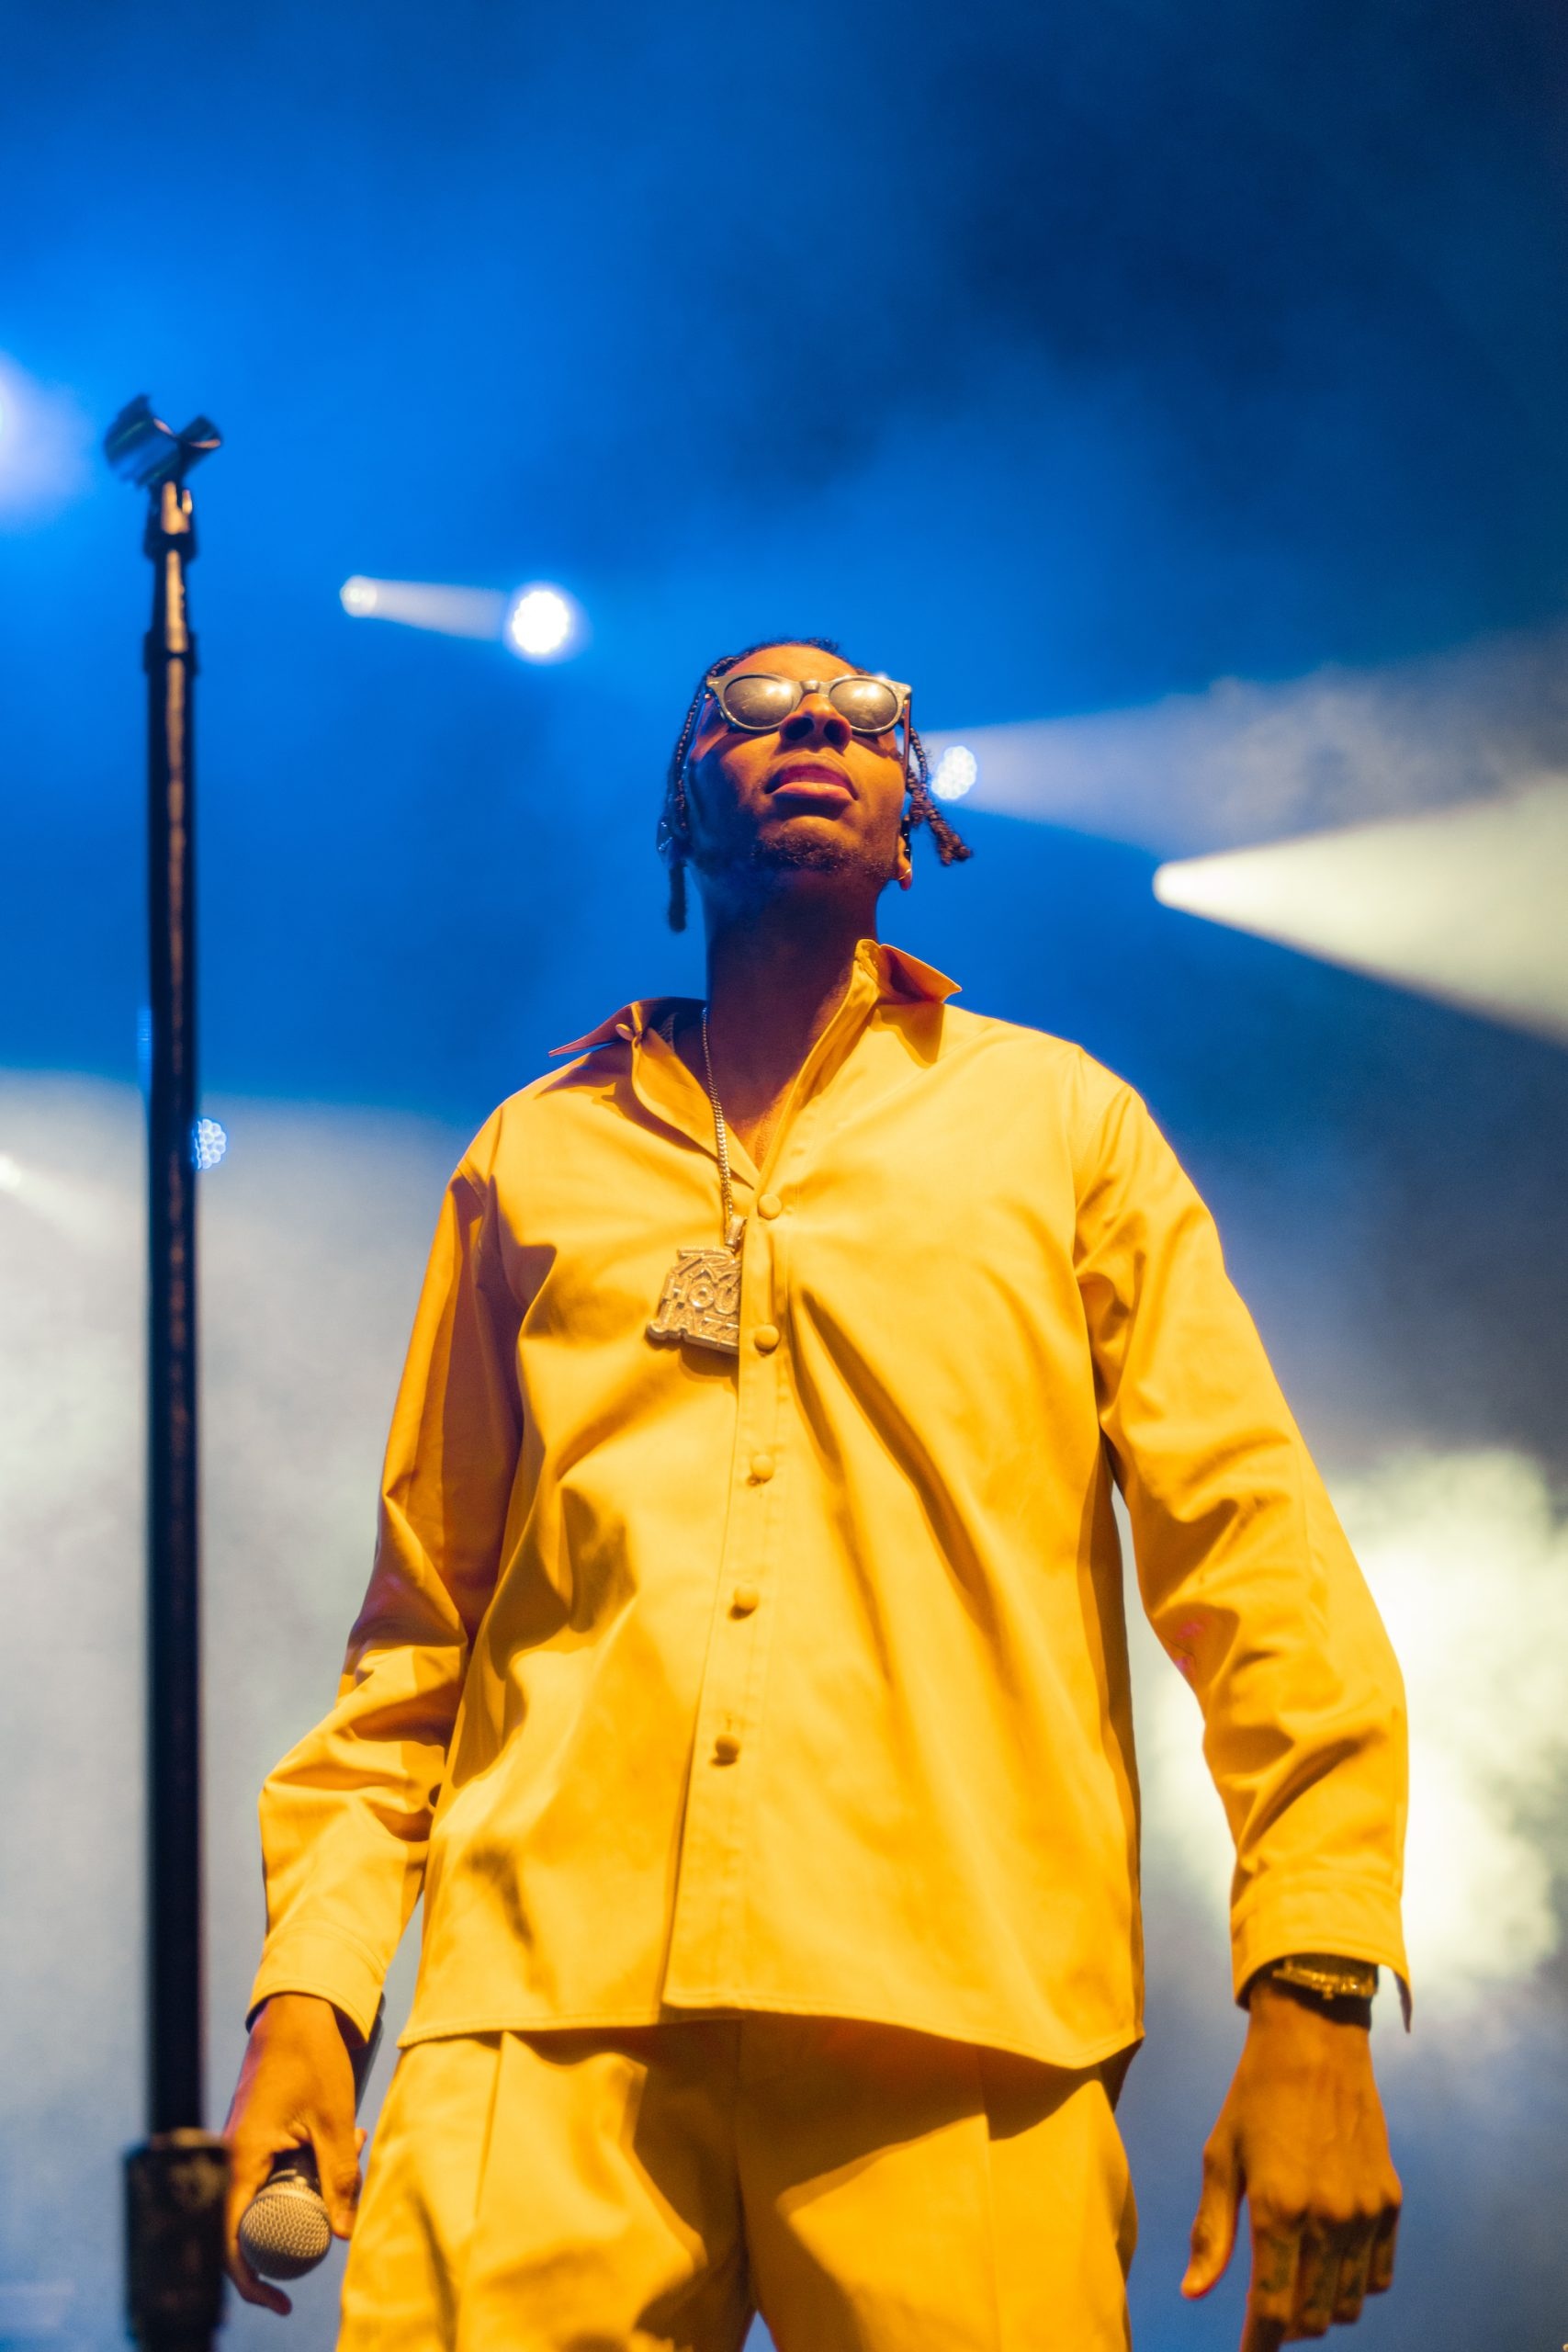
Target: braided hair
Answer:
pixel 673 834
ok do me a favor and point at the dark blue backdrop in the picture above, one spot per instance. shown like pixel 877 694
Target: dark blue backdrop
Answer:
pixel 1051 359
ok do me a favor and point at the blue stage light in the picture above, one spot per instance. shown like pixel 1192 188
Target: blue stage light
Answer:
pixel 955 772
pixel 542 623
pixel 208 1142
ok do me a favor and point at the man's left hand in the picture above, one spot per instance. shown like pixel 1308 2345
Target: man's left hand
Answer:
pixel 1301 2136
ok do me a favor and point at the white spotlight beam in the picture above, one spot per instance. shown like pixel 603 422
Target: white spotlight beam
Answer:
pixel 425 603
pixel 1462 904
pixel 1248 760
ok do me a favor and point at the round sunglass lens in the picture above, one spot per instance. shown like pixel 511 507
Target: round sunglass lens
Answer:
pixel 869 704
pixel 757 700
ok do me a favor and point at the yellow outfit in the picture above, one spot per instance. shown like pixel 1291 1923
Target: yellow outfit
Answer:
pixel 799 1683
pixel 796 1682
pixel 653 2186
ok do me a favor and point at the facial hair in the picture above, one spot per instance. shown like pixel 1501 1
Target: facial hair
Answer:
pixel 793 851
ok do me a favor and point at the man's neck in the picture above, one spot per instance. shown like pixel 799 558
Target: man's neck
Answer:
pixel 776 975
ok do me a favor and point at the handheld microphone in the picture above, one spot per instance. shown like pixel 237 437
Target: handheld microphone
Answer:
pixel 284 2231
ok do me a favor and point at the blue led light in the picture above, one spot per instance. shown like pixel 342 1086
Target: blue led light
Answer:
pixel 543 624
pixel 208 1142
pixel 955 772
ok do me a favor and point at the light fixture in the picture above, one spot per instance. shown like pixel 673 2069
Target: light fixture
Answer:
pixel 955 772
pixel 542 623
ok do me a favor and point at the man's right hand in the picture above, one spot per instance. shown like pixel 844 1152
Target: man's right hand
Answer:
pixel 297 2084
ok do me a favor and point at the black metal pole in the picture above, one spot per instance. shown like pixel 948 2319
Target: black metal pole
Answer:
pixel 176 2182
pixel 173 1644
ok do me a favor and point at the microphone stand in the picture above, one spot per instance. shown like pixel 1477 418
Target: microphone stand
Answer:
pixel 176 2182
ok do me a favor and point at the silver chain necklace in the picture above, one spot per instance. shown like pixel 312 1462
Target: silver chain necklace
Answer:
pixel 701 1298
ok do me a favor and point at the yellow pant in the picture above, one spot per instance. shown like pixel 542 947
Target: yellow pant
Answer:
pixel 653 2186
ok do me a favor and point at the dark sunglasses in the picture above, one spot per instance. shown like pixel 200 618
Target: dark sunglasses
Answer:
pixel 758 700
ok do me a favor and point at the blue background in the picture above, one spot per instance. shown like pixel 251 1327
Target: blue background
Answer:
pixel 1052 359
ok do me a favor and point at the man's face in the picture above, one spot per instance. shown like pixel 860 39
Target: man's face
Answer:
pixel 810 798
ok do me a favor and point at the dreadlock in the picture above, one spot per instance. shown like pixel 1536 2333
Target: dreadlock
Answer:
pixel 673 834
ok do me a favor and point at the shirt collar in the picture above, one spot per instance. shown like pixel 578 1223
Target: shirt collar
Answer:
pixel 901 979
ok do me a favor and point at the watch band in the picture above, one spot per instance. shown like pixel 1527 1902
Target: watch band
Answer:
pixel 1323 1973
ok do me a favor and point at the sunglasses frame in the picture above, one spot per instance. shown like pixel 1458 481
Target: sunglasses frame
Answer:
pixel 716 682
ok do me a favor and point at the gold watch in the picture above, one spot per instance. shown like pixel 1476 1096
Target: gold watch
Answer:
pixel 1326 1976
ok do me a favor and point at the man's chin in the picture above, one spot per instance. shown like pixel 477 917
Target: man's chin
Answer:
pixel 795 849
pixel 800 849
pixel 818 847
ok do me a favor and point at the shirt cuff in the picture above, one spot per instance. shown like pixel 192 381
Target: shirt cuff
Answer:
pixel 327 1961
pixel 1347 1916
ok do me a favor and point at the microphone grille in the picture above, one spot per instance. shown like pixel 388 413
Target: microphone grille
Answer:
pixel 285 2230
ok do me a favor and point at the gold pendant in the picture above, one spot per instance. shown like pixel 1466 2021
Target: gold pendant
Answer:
pixel 701 1298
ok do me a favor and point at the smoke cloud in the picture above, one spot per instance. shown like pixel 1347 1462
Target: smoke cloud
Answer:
pixel 1467 1556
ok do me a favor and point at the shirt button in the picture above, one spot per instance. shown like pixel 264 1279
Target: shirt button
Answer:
pixel 765 1337
pixel 744 1599
pixel 763 1468
pixel 726 1747
pixel 769 1205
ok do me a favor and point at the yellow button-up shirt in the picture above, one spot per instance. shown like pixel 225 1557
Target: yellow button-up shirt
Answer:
pixel 797 1679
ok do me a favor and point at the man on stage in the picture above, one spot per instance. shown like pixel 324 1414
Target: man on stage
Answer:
pixel 743 1678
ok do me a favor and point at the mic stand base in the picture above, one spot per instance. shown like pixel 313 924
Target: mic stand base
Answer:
pixel 177 2185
